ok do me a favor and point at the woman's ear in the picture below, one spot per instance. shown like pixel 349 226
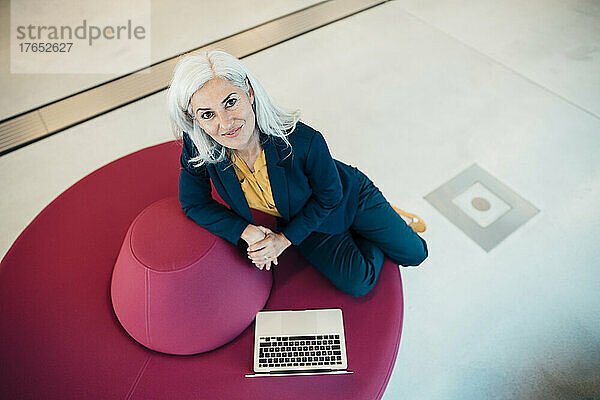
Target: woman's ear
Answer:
pixel 250 91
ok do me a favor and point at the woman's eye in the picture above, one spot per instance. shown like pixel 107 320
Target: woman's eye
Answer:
pixel 230 102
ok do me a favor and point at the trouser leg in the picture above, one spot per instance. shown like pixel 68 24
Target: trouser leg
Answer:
pixel 381 225
pixel 352 260
pixel 351 265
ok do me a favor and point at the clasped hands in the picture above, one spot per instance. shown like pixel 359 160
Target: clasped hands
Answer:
pixel 264 245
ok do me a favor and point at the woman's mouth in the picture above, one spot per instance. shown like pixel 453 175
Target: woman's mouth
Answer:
pixel 234 133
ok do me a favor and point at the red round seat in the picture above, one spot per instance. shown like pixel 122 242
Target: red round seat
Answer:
pixel 178 289
pixel 61 339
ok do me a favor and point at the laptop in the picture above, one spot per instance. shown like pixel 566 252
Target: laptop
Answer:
pixel 302 342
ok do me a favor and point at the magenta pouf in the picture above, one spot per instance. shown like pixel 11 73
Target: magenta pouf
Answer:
pixel 179 289
pixel 60 339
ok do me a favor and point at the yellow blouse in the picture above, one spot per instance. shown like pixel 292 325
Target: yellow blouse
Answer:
pixel 256 185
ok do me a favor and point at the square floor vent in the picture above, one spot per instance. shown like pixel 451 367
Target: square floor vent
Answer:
pixel 481 206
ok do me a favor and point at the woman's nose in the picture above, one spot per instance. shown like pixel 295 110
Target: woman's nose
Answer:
pixel 225 119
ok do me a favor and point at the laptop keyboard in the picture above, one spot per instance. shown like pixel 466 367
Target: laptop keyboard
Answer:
pixel 300 351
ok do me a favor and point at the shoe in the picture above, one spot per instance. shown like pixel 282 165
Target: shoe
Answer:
pixel 417 223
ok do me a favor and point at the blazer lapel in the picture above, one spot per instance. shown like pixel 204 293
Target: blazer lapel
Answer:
pixel 277 178
pixel 229 181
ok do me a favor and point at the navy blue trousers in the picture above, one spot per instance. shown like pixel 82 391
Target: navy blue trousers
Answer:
pixel 351 260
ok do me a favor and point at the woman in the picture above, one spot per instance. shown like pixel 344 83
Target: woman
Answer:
pixel 260 156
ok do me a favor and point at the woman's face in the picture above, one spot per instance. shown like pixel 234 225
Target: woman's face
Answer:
pixel 220 107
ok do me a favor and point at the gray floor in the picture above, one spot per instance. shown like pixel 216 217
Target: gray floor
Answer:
pixel 413 93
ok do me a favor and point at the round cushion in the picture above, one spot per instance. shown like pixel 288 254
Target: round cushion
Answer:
pixel 178 289
pixel 60 337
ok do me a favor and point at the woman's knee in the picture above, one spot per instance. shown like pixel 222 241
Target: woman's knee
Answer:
pixel 358 289
pixel 351 265
pixel 416 256
pixel 364 276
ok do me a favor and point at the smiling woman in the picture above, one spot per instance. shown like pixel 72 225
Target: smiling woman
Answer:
pixel 259 156
pixel 214 93
pixel 229 122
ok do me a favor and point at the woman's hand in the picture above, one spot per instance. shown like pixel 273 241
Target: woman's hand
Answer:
pixel 265 251
pixel 251 235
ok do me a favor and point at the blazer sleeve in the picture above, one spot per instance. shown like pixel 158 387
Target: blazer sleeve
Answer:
pixel 198 204
pixel 326 187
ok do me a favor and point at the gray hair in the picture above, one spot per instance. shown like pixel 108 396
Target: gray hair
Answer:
pixel 191 73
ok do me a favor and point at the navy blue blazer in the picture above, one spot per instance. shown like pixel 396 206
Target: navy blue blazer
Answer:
pixel 312 191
